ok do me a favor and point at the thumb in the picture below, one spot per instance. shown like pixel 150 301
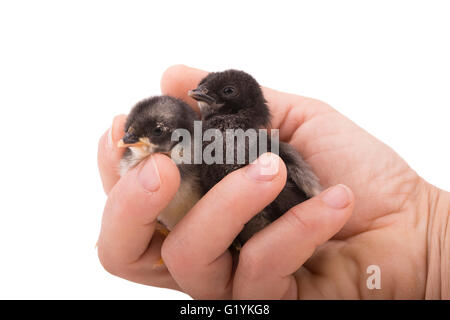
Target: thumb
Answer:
pixel 129 217
pixel 280 249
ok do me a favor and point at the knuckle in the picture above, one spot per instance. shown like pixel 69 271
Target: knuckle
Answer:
pixel 224 199
pixel 250 264
pixel 174 254
pixel 167 252
pixel 109 263
pixel 296 218
pixel 100 143
pixel 172 75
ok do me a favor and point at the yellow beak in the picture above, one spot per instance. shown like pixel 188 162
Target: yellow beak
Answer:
pixel 142 142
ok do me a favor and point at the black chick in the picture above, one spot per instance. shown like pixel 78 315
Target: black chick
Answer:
pixel 149 129
pixel 234 100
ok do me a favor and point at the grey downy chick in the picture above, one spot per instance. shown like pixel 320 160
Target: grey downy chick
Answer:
pixel 149 128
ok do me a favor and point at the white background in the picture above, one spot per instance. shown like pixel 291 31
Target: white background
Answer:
pixel 66 68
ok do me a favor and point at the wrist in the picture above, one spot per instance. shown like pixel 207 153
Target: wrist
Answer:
pixel 438 243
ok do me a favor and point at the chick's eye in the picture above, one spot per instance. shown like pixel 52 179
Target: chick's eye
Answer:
pixel 157 131
pixel 229 91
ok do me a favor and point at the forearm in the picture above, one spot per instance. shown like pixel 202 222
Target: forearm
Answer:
pixel 438 244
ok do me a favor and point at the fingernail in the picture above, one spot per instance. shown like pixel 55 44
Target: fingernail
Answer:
pixel 148 176
pixel 337 197
pixel 265 168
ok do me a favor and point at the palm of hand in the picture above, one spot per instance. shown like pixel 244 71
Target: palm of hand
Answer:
pixel 384 187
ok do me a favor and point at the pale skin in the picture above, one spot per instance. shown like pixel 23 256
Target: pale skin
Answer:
pixel 375 211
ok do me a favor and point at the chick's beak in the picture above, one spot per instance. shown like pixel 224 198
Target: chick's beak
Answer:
pixel 201 94
pixel 132 141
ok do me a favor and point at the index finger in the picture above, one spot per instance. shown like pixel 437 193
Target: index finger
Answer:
pixel 109 154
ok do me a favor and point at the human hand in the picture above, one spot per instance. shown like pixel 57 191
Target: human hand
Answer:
pixel 388 227
pixel 128 245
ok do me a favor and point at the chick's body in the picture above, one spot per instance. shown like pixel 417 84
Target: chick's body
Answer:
pixel 149 129
pixel 233 100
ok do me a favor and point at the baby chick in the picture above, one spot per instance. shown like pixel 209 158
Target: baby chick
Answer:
pixel 149 129
pixel 233 99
